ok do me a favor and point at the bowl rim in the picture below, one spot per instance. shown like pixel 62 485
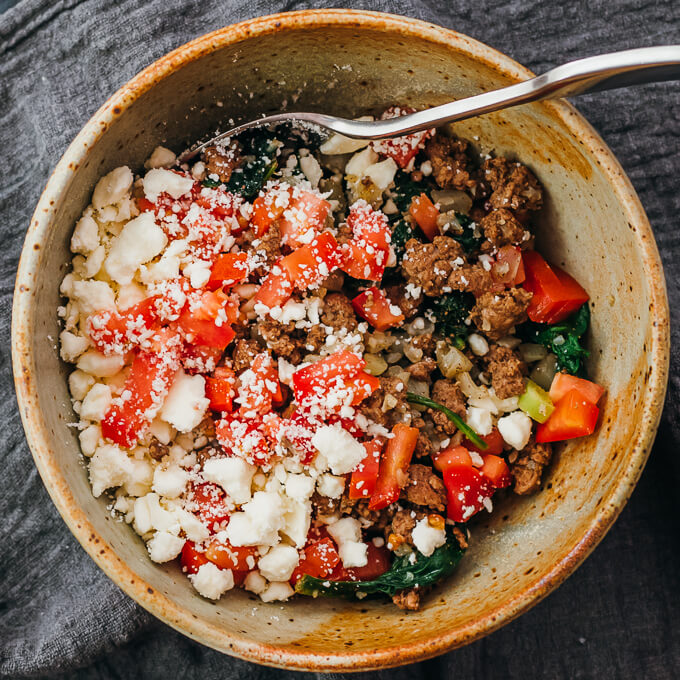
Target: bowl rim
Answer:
pixel 36 430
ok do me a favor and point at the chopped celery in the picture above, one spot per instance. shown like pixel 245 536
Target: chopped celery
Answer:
pixel 536 403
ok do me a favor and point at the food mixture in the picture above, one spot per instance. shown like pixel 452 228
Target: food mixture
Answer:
pixel 304 367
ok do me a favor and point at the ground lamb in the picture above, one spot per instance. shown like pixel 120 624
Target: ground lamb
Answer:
pixel 496 314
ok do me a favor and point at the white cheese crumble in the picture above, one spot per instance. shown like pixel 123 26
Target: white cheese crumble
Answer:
pixel 515 429
pixel 233 474
pixel 186 403
pixel 340 449
pixel 426 538
pixel 159 181
pixel 278 564
pixel 211 581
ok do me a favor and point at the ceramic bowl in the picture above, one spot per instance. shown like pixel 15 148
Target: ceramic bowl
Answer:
pixel 350 63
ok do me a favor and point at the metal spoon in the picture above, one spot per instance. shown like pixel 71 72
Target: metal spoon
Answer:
pixel 594 74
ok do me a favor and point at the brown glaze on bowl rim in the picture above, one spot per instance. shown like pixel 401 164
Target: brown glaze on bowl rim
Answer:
pixel 38 439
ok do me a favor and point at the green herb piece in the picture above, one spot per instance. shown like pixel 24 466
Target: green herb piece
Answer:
pixel 260 149
pixel 453 417
pixel 448 312
pixel 405 190
pixel 562 339
pixel 425 571
pixel 211 183
pixel 467 237
pixel 536 402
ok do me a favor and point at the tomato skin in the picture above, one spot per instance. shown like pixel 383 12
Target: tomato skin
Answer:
pixel 318 559
pixel 496 470
pixel 402 149
pixel 312 263
pixel 305 211
pixel 200 358
pixel 227 556
pixel 563 383
pixel 425 214
pixel 147 384
pixel 261 386
pixel 394 464
pixel 494 443
pixel 266 211
pixel 366 255
pixel 466 489
pixel 555 293
pixel 219 388
pixel 508 268
pixel 228 270
pixel 574 416
pixel 364 477
pixel 211 504
pixel 276 289
pixel 245 436
pixel 321 374
pixel 451 456
pixel 114 332
pixel 378 562
pixel 206 317
pixel 374 306
pixel 191 559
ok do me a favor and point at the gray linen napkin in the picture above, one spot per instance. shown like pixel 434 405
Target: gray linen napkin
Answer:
pixel 59 615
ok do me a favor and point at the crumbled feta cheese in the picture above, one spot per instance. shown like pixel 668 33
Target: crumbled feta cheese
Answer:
pixel 186 403
pixel 277 591
pixel 233 474
pixel 278 564
pixel 161 430
pixel 345 529
pixel 92 296
pixel 85 237
pixel 72 346
pixel 169 481
pixel 296 521
pixel 426 538
pixel 286 370
pixel 259 522
pixel 339 144
pixel 255 582
pixel 198 272
pixel 340 449
pixel 515 429
pixel 353 554
pixel 109 466
pixel 191 525
pixel 310 166
pixel 300 487
pixel 140 241
pixel 331 486
pixel 360 161
pixel 382 174
pixel 479 419
pixel 150 515
pixel 141 476
pixel 79 383
pixel 211 581
pixel 164 547
pixel 97 364
pixel 160 158
pixel 159 181
pixel 96 402
pixel 112 188
pixel 478 344
pixel 89 439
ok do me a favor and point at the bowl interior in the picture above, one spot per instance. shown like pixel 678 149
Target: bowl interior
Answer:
pixel 592 225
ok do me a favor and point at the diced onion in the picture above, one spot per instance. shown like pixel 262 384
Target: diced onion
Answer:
pixel 451 360
pixel 451 199
pixel 379 341
pixel 469 388
pixel 544 371
pixel 531 352
pixel 420 388
pixel 399 372
pixel 510 341
pixel 412 353
pixel 375 364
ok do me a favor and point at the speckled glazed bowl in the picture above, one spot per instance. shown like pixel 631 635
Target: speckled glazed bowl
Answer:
pixel 349 63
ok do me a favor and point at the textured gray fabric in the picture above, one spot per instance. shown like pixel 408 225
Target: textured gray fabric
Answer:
pixel 617 617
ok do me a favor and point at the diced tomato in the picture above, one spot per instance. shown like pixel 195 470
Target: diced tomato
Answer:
pixel 425 214
pixel 374 306
pixel 394 464
pixel 312 263
pixel 467 489
pixel 366 255
pixel 555 294
pixel 563 383
pixel 211 505
pixel 496 470
pixel 365 475
pixel 259 385
pixel 299 430
pixel 378 562
pixel 494 443
pixel 206 318
pixel 219 388
pixel 276 288
pixel 305 211
pixel 340 365
pixel 452 456
pixel 192 559
pixel 239 576
pixel 115 332
pixel 200 358
pixel 402 149
pixel 508 268
pixel 229 269
pixel 362 386
pixel 244 437
pixel 574 416
pixel 145 388
pixel 272 423
pixel 227 556
pixel 318 560
pixel 266 210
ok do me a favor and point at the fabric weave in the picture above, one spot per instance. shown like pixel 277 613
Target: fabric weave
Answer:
pixel 60 616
